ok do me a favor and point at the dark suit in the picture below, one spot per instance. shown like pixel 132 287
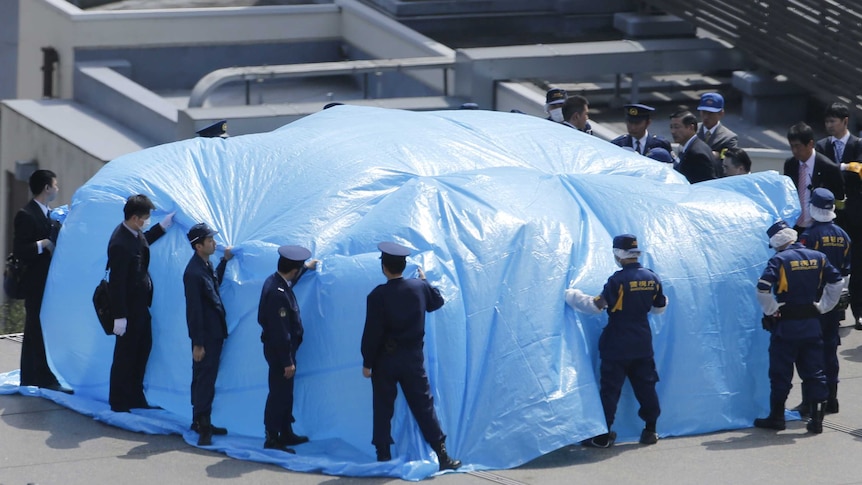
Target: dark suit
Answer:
pixel 131 291
pixel 392 344
pixel 720 139
pixel 652 141
pixel 850 218
pixel 31 225
pixel 697 162
pixel 825 174
pixel 278 315
pixel 205 317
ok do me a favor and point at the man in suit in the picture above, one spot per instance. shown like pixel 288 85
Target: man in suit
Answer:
pixel 206 319
pixel 711 130
pixel 576 111
pixel 810 170
pixel 843 148
pixel 695 157
pixel 638 137
pixel 131 290
pixel 33 243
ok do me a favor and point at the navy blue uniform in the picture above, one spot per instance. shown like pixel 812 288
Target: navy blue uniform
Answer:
pixel 278 314
pixel 131 291
pixel 796 276
pixel 205 317
pixel 392 347
pixel 652 141
pixel 32 225
pixel 625 345
pixel 832 241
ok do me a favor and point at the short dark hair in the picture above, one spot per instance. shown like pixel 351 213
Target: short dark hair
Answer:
pixel 39 179
pixel 800 132
pixel 738 158
pixel 574 104
pixel 138 205
pixel 287 265
pixel 393 264
pixel 837 110
pixel 686 117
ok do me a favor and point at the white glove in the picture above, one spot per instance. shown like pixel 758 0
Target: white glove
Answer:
pixel 119 327
pixel 168 221
pixel 581 301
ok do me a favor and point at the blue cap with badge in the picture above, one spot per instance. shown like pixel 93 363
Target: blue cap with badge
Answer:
pixel 200 231
pixel 556 96
pixel 393 249
pixel 660 154
pixel 215 130
pixel 712 102
pixel 778 226
pixel 294 253
pixel 823 198
pixel 627 242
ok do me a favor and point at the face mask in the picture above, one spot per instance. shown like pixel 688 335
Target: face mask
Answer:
pixel 146 224
pixel 618 261
pixel 556 115
pixel 52 195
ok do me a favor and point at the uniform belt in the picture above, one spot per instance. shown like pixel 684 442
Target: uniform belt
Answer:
pixel 799 312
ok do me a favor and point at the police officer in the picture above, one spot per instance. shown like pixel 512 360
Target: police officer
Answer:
pixel 638 137
pixel 392 354
pixel 205 317
pixel 625 345
pixel 555 98
pixel 278 314
pixel 787 292
pixel 215 130
pixel 827 237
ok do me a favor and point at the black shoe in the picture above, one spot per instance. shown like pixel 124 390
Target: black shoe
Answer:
pixel 291 439
pixel 601 441
pixel 217 431
pixel 858 324
pixel 272 443
pixel 802 409
pixel 771 422
pixel 57 387
pixel 815 424
pixel 120 410
pixel 446 461
pixel 648 437
pixel 383 453
pixel 832 406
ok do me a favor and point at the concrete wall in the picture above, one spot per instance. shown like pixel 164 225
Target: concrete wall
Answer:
pixel 67 28
pixel 8 47
pixel 72 165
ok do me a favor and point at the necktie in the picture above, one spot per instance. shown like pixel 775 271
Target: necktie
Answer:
pixel 638 146
pixel 708 137
pixel 839 150
pixel 804 193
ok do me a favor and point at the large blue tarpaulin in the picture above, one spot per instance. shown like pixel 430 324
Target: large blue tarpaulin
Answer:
pixel 503 211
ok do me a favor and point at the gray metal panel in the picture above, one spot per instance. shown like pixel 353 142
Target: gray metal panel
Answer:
pixel 8 48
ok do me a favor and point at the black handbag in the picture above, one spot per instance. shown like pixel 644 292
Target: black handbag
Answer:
pixel 12 277
pixel 102 305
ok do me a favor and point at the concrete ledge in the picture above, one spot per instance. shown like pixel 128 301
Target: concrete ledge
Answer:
pixel 764 84
pixel 641 26
pixel 768 98
pixel 105 90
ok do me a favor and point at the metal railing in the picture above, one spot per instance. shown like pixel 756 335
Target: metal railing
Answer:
pixel 817 44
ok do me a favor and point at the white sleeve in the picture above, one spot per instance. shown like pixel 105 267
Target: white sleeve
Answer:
pixel 831 294
pixel 767 302
pixel 581 301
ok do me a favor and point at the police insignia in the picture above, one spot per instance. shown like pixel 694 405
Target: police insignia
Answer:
pixel 633 111
pixel 282 312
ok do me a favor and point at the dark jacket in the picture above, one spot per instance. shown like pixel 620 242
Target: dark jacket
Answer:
pixel 721 138
pixel 129 284
pixel 30 226
pixel 826 174
pixel 395 316
pixel 851 217
pixel 278 315
pixel 697 162
pixel 205 314
pixel 653 141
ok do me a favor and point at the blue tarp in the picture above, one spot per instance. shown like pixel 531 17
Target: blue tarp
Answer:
pixel 503 211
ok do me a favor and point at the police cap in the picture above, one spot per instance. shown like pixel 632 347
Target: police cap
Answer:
pixel 555 96
pixel 469 106
pixel 778 226
pixel 712 102
pixel 638 111
pixel 215 130
pixel 294 253
pixel 627 242
pixel 660 154
pixel 393 249
pixel 199 232
pixel 823 199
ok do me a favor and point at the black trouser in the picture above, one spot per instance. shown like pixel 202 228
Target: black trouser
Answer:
pixel 204 375
pixel 278 413
pixel 642 376
pixel 829 324
pixel 407 368
pixel 34 361
pixel 131 352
